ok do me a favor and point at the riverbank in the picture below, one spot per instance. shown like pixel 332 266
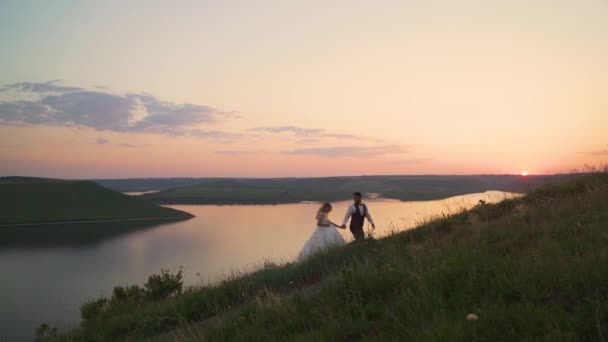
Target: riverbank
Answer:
pixel 95 221
pixel 28 201
pixel 534 267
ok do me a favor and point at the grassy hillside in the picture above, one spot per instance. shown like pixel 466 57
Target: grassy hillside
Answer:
pixel 31 200
pixel 290 190
pixel 533 268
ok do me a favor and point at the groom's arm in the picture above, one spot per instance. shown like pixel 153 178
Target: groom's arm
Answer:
pixel 369 217
pixel 347 216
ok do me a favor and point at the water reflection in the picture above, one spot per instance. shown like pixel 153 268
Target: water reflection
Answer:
pixel 71 234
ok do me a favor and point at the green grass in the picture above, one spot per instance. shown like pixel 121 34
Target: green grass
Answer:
pixel 292 190
pixel 532 268
pixel 30 200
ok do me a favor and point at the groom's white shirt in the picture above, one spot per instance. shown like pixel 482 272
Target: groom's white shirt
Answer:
pixel 351 210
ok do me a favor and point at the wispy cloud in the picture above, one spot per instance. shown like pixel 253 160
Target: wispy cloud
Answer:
pixel 54 104
pixel 105 141
pixel 308 141
pixel 408 161
pixel 221 136
pixel 349 151
pixel 299 131
pixel 39 87
pixel 102 141
pixel 240 152
pixel 599 153
pixel 59 105
pixel 603 152
pixel 334 152
pixel 127 145
pixel 311 133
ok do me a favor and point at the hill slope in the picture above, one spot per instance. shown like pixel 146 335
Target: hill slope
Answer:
pixel 150 184
pixel 31 200
pixel 290 190
pixel 533 268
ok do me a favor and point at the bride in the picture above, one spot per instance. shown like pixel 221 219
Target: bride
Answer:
pixel 326 235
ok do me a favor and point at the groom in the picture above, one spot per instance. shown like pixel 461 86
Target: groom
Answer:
pixel 357 214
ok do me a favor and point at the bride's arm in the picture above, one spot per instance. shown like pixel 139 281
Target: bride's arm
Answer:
pixel 335 224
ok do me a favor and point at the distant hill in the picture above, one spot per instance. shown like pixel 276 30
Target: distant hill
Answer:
pixel 292 190
pixel 36 200
pixel 150 184
pixel 16 179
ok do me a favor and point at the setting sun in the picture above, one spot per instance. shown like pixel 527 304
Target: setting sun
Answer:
pixel 524 173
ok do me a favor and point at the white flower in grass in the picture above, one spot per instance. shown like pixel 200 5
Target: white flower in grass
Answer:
pixel 472 317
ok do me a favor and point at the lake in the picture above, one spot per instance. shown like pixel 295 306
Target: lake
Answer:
pixel 48 282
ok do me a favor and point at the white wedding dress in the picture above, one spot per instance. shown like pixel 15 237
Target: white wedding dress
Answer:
pixel 322 238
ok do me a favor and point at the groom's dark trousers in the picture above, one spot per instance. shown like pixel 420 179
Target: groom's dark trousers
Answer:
pixel 356 224
pixel 357 232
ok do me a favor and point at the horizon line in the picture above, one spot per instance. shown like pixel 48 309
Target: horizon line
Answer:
pixel 312 177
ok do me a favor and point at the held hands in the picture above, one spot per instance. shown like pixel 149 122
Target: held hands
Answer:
pixel 339 226
pixel 344 226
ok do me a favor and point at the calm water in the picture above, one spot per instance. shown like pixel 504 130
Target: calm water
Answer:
pixel 48 283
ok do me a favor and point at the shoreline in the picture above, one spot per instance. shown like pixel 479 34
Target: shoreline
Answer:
pixel 374 200
pixel 94 221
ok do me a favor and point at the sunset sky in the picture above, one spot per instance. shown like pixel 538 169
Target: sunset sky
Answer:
pixel 114 89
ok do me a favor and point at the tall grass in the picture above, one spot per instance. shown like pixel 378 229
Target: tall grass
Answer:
pixel 531 268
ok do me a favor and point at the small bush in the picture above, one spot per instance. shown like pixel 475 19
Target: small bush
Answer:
pixel 45 333
pixel 92 308
pixel 128 294
pixel 269 264
pixel 158 286
pixel 164 285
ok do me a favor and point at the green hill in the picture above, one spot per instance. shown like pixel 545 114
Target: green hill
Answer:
pixel 291 190
pixel 18 179
pixel 150 184
pixel 532 268
pixel 36 200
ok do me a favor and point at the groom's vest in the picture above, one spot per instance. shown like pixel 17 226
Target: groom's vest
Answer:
pixel 357 219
